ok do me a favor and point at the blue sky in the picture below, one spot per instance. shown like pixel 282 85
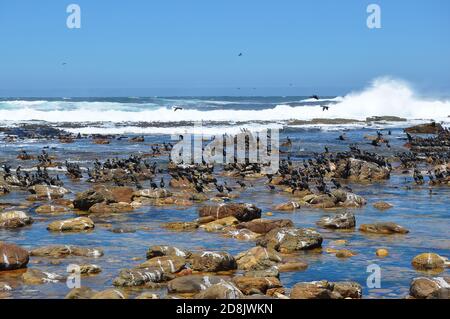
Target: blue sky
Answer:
pixel 180 47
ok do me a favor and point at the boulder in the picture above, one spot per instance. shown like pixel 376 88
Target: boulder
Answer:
pixel 241 234
pixel 340 221
pixel 289 240
pixel 256 285
pixel 192 283
pixel 382 205
pixel 209 261
pixel 152 193
pixel 51 209
pixel 286 207
pixel 326 290
pixel 12 256
pixel 429 288
pixel 112 208
pixel 263 226
pixel 85 200
pixel 220 224
pixel 257 258
pixel 427 128
pixel 167 264
pixel 80 293
pixel 122 194
pixel 222 290
pixel 157 251
pixel 38 277
pixel 65 251
pixel 181 226
pixel 14 219
pixel 360 171
pixel 243 212
pixel 48 192
pixel 72 224
pixel 110 294
pixel 89 269
pixel 429 261
pixel 292 266
pixel 383 228
pixel 180 183
pixel 139 277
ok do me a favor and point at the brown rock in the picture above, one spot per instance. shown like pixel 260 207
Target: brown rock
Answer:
pixel 428 261
pixel 383 228
pixel 73 224
pixel 65 251
pixel 243 212
pixel 257 258
pixel 382 205
pixel 428 128
pixel 14 219
pixel 222 290
pixel 263 226
pixel 209 261
pixel 288 240
pixel 12 256
pixel 80 293
pixel 256 285
pixel 110 294
pixel 157 251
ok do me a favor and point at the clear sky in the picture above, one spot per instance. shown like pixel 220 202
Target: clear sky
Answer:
pixel 191 47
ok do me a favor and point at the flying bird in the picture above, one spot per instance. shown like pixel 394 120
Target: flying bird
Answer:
pixel 176 108
pixel 240 54
pixel 315 97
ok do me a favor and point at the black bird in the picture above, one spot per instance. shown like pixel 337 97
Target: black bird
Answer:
pixel 176 108
pixel 228 188
pixel 242 184
pixel 315 97
pixel 271 187
pixel 161 183
pixel 325 108
pixel 240 54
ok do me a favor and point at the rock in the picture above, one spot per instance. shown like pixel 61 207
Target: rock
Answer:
pixel 269 272
pixel 14 219
pixel 427 128
pixel 209 261
pixel 139 277
pixel 110 294
pixel 289 206
pixel 382 205
pixel 80 293
pixel 181 226
pixel 38 277
pixel 167 264
pixel 122 230
pixel 122 194
pixel 113 208
pixel 345 253
pixel 180 183
pixel 382 252
pixel 12 256
pixel 158 251
pixel 340 221
pixel 241 234
pixel 5 287
pixel 85 200
pixel 257 258
pixel 147 295
pixel 348 199
pixel 428 288
pixel 51 209
pixel 48 192
pixel 66 250
pixel 288 240
pixel 89 269
pixel 263 226
pixel 339 242
pixel 222 290
pixel 256 285
pixel 360 170
pixel 292 266
pixel 72 224
pixel 326 290
pixel 192 283
pixel 243 212
pixel 383 228
pixel 219 224
pixel 429 261
pixel 152 193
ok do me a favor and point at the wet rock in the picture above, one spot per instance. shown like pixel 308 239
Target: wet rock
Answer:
pixel 148 295
pixel 288 240
pixel 158 251
pixel 430 288
pixel 359 170
pixel 192 283
pixel 167 264
pixel 286 207
pixel 222 290
pixel 181 183
pixel 382 205
pixel 86 199
pixel 65 251
pixel 110 294
pixel 383 228
pixel 63 202
pixel 152 193
pixel 209 261
pixel 122 194
pixel 51 209
pixel 48 192
pixel 340 221
pixel 326 290
pixel 113 208
pixel 72 224
pixel 181 226
pixel 38 277
pixel 292 266
pixel 337 198
pixel 427 128
pixel 80 293
pixel 241 234
pixel 243 212
pixel 345 253
pixel 257 258
pixel 88 269
pixel 263 226
pixel 139 277
pixel 256 285
pixel 12 256
pixel 14 219
pixel 122 230
pixel 382 252
pixel 429 261
pixel 220 224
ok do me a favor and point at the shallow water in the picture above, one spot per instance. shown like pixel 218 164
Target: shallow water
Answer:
pixel 426 216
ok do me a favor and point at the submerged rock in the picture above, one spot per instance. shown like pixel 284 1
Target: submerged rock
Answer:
pixel 73 224
pixel 51 209
pixel 38 277
pixel 383 228
pixel 12 256
pixel 288 240
pixel 382 205
pixel 340 221
pixel 243 212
